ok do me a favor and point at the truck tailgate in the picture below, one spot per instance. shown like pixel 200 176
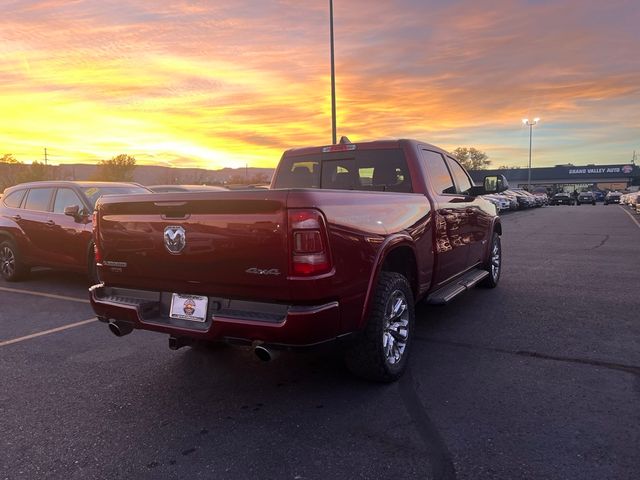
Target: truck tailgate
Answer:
pixel 231 243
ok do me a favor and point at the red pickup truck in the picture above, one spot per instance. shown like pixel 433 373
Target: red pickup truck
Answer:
pixel 340 247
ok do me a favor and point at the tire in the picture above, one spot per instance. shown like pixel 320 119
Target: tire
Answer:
pixel 381 351
pixel 12 268
pixel 493 264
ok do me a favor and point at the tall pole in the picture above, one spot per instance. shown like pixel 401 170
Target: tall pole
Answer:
pixel 530 142
pixel 530 124
pixel 45 155
pixel 333 79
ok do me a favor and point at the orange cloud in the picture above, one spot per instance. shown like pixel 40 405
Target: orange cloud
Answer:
pixel 229 83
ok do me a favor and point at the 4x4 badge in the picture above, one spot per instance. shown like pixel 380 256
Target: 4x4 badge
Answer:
pixel 175 239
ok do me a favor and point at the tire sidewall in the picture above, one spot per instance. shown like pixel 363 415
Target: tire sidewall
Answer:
pixel 400 283
pixel 365 357
pixel 490 281
pixel 18 268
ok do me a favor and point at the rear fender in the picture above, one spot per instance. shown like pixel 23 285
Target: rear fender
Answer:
pixel 11 231
pixel 398 246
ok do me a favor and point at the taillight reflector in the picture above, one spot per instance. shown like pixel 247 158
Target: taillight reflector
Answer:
pixel 309 249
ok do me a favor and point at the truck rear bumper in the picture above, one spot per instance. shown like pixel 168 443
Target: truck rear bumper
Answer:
pixel 227 319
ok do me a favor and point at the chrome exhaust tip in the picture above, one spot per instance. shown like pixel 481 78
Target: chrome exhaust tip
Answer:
pixel 120 328
pixel 264 354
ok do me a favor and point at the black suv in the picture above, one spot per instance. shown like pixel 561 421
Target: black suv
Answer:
pixel 586 197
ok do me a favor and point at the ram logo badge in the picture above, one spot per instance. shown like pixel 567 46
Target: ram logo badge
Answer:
pixel 175 239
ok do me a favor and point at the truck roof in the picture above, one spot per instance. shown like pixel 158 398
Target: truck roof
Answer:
pixel 369 145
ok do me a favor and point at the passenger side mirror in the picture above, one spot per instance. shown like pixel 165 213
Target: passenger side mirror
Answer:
pixel 495 183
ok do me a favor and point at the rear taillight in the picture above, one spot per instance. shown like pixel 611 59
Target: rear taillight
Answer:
pixel 309 246
pixel 96 238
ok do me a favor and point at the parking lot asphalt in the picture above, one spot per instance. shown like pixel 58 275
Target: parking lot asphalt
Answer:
pixel 538 378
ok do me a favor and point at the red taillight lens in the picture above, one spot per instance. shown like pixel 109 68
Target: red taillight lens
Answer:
pixel 309 249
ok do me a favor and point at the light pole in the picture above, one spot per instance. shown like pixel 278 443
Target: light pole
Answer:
pixel 530 124
pixel 333 78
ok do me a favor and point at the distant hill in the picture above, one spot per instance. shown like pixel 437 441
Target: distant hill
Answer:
pixel 152 175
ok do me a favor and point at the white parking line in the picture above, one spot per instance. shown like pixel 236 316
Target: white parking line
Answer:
pixel 47 332
pixel 630 216
pixel 42 294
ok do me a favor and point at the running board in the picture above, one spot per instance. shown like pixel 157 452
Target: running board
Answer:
pixel 447 293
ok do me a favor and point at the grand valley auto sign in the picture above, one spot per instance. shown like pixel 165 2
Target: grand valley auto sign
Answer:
pixel 624 169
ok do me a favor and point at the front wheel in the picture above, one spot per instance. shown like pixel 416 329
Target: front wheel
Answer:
pixel 494 263
pixel 12 268
pixel 381 351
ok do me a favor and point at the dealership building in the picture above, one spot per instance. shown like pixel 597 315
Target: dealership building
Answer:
pixel 569 177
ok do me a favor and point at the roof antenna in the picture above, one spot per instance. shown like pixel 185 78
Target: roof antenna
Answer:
pixel 344 140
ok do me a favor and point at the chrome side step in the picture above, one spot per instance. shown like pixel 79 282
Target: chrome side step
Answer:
pixel 447 293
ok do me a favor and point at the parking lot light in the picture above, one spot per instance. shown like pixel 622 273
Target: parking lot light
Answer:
pixel 530 124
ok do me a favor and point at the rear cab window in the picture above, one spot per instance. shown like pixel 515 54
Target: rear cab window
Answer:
pixel 382 170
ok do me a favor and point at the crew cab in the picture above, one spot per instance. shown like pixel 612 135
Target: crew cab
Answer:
pixel 339 248
pixel 48 224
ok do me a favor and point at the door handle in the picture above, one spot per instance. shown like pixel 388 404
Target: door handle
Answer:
pixel 17 217
pixel 51 223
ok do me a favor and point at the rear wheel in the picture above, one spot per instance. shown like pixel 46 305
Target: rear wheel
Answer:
pixel 381 352
pixel 12 268
pixel 494 263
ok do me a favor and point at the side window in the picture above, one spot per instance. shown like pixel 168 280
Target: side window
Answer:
pixel 14 198
pixel 438 173
pixel 64 198
pixel 459 175
pixel 38 199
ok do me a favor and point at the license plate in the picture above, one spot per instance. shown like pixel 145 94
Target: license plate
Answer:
pixel 189 307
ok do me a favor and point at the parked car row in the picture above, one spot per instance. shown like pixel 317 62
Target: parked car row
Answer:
pixel 632 200
pixel 517 199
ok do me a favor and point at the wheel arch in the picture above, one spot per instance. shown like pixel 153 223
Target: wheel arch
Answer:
pixel 396 254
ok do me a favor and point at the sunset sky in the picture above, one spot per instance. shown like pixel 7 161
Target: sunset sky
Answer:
pixel 228 83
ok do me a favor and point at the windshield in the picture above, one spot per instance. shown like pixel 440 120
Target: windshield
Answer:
pixel 94 193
